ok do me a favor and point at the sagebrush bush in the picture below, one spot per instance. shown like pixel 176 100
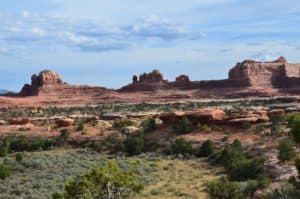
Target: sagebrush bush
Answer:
pixel 4 146
pixel 224 189
pixel 4 171
pixel 19 157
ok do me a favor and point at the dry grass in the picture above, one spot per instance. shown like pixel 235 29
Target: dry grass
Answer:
pixel 178 179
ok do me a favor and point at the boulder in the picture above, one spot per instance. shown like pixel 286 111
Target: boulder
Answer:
pixel 3 122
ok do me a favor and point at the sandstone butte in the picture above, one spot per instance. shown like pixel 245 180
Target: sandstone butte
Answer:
pixel 247 78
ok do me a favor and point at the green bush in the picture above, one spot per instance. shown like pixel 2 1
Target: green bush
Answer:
pixel 286 150
pixel 4 146
pixel 112 143
pixel 80 126
pixel 63 137
pixel 20 143
pixel 134 144
pixel 206 149
pixel 239 167
pixel 4 172
pixel 180 146
pixel 254 185
pixel 224 189
pixel 19 157
pixel 183 126
pixel 245 169
pixel 149 125
pixel 296 129
pixel 108 181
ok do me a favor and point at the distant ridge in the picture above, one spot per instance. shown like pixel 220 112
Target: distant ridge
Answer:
pixel 246 78
pixel 3 91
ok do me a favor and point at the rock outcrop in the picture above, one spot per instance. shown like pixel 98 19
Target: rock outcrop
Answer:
pixel 264 74
pixel 46 78
pixel 48 82
pixel 147 82
pixel 247 78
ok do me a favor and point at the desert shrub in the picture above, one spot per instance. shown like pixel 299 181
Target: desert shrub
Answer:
pixel 224 189
pixel 238 166
pixel 4 146
pixel 288 191
pixel 183 126
pixel 254 185
pixel 296 129
pixel 202 127
pixel 180 146
pixel 80 126
pixel 108 181
pixel 206 149
pixel 245 169
pixel 123 123
pixel 230 153
pixel 19 157
pixel 151 144
pixel 134 144
pixel 20 143
pixel 275 124
pixel 245 126
pixel 149 124
pixel 57 195
pixel 63 137
pixel 4 171
pixel 259 128
pixel 286 150
pixel 112 143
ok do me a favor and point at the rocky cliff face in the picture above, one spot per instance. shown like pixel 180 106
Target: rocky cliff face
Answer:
pixel 264 74
pixel 45 78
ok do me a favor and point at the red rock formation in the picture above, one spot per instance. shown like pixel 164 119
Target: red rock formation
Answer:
pixel 50 83
pixel 45 78
pixel 147 82
pixel 264 74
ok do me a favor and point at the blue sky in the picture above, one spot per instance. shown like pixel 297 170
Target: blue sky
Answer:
pixel 105 42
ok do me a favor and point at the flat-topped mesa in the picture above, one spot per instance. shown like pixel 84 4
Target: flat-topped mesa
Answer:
pixel 147 82
pixel 264 74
